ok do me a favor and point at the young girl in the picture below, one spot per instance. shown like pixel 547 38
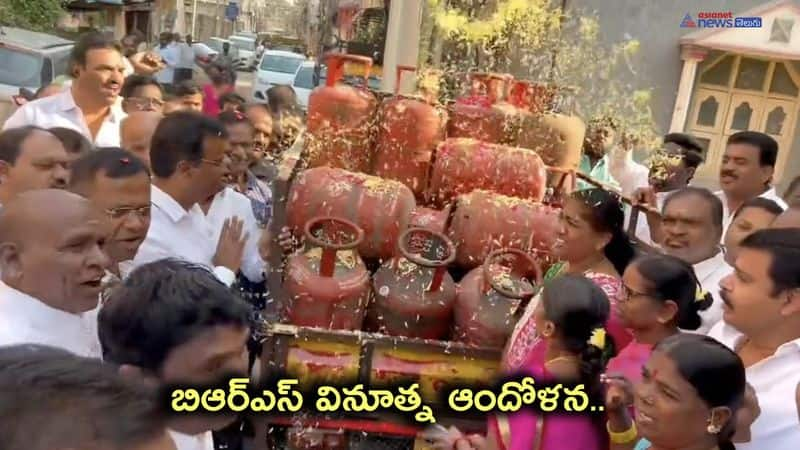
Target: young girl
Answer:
pixel 660 295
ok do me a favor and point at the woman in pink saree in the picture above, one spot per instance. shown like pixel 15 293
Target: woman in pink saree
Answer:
pixel 569 349
pixel 661 296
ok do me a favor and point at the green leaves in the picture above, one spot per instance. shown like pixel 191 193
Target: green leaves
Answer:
pixel 37 15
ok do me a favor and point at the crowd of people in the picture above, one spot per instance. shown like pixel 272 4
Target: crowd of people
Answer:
pixel 132 207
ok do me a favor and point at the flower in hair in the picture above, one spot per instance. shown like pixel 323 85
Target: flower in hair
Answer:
pixel 699 294
pixel 598 338
pixel 125 160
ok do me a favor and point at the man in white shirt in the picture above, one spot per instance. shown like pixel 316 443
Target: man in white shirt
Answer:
pixel 170 55
pixel 762 324
pixel 90 106
pixel 188 158
pixel 118 185
pixel 671 168
pixel 31 158
pixel 52 399
pixel 173 322
pixel 185 68
pixel 748 165
pixel 692 225
pixel 52 266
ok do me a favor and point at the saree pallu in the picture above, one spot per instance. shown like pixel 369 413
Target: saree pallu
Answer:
pixel 530 430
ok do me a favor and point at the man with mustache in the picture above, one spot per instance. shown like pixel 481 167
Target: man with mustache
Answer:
pixel 761 322
pixel 692 228
pixel 747 168
pixel 90 105
pixel 174 323
pixel 189 160
pixel 262 162
pixel 31 158
pixel 141 93
pixel 52 266
pixel 118 185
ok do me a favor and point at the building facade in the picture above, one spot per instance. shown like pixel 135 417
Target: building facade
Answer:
pixel 713 82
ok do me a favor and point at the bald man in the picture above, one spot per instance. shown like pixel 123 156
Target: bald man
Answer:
pixel 52 268
pixel 788 219
pixel 137 130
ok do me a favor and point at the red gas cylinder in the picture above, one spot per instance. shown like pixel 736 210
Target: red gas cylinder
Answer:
pixel 328 284
pixel 477 115
pixel 380 207
pixel 429 218
pixel 409 130
pixel 414 294
pixel 484 221
pixel 489 297
pixel 340 120
pixel 463 165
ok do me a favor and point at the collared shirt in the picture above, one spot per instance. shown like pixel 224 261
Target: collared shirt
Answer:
pixel 229 203
pixel 27 320
pixel 260 195
pixel 202 441
pixel 186 56
pixel 775 380
pixel 60 110
pixel 598 172
pixel 171 56
pixel 177 233
pixel 710 272
pixel 629 174
pixel 727 214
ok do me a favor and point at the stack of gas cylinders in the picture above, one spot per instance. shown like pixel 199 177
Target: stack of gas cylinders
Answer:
pixel 424 220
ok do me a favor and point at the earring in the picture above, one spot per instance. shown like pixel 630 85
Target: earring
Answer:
pixel 713 429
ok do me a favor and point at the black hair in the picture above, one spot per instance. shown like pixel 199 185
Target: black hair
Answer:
pixel 231 97
pixel 783 245
pixel 161 306
pixel 761 203
pixel 179 137
pixel 185 88
pixel 605 214
pixel 74 142
pixel 282 98
pixel 674 279
pixel 228 118
pixel 766 145
pixel 50 398
pixel 11 141
pixel 715 371
pixel 114 162
pixel 134 82
pixel 577 307
pixel 684 141
pixel 714 203
pixel 93 40
pixel 691 149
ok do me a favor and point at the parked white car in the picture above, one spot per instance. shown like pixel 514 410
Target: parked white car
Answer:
pixel 246 50
pixel 304 82
pixel 276 67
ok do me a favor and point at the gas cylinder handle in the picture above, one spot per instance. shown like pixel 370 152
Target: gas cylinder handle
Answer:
pixel 400 70
pixel 335 234
pixel 335 62
pixel 523 266
pixel 439 265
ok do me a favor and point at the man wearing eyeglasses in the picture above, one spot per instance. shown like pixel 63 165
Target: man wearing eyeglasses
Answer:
pixel 142 93
pixel 118 185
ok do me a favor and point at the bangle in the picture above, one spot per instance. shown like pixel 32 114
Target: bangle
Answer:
pixel 624 437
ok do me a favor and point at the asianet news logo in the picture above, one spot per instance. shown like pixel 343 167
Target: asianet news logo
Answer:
pixel 719 20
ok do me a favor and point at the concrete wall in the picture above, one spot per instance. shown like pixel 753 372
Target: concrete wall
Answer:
pixel 656 24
